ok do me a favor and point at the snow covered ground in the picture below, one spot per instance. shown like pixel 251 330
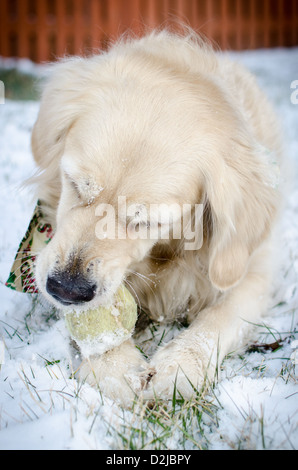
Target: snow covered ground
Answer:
pixel 255 406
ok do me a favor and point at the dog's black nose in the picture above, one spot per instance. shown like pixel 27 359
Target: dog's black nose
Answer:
pixel 70 289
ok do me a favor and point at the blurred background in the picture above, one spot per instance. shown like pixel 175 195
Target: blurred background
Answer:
pixel 43 30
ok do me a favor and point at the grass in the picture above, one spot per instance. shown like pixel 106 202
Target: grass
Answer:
pixel 18 85
pixel 165 426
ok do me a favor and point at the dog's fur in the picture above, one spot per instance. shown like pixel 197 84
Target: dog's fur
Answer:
pixel 161 119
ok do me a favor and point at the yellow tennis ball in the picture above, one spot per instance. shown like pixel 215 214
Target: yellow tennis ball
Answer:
pixel 96 331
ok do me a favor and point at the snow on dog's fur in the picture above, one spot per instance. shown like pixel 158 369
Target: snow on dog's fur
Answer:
pixel 161 119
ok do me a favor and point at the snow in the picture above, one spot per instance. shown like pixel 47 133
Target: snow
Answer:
pixel 43 407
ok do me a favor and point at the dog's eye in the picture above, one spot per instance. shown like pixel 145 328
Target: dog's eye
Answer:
pixel 138 229
pixel 138 225
pixel 142 225
pixel 85 189
pixel 75 188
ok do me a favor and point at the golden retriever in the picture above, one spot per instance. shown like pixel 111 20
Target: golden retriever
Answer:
pixel 162 119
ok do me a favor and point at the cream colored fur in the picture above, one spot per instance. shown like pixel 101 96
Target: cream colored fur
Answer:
pixel 162 119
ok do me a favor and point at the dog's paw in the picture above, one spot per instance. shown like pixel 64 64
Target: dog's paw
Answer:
pixel 118 374
pixel 180 370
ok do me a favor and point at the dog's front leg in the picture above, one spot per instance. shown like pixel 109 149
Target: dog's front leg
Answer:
pixel 192 360
pixel 117 373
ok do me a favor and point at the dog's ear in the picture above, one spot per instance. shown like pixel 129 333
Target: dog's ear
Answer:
pixel 242 202
pixel 59 108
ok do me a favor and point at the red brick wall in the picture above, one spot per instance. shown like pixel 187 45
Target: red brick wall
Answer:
pixel 45 29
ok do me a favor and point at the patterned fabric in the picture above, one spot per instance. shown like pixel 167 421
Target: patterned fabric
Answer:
pixel 38 234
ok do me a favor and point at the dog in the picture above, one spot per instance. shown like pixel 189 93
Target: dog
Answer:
pixel 161 119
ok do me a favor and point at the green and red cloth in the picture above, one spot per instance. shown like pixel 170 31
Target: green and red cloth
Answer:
pixel 38 234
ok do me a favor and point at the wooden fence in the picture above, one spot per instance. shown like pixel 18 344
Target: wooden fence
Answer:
pixel 45 29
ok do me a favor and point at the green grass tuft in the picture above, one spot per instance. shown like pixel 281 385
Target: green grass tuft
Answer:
pixel 19 86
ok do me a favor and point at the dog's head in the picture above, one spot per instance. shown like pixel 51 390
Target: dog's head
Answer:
pixel 123 147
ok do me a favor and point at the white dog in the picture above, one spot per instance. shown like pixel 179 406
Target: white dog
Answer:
pixel 161 119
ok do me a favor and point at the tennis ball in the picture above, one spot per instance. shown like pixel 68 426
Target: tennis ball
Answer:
pixel 98 330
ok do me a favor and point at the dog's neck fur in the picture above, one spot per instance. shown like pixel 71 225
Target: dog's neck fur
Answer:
pixel 175 271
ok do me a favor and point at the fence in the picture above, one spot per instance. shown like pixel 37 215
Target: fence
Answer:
pixel 45 29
